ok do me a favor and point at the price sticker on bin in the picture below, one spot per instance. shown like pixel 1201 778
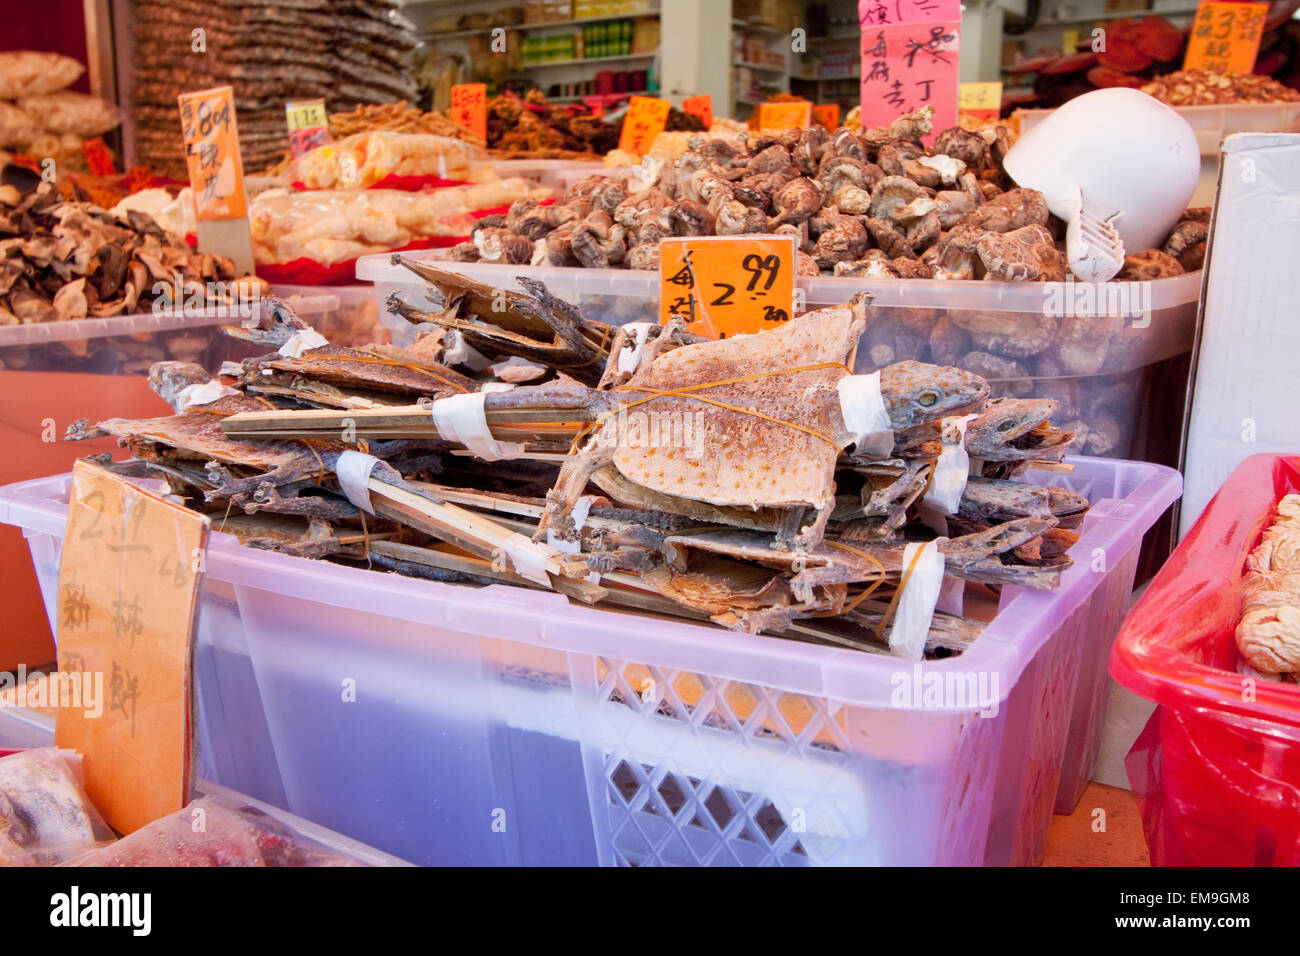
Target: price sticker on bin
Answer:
pixel 727 285
pixel 469 107
pixel 1225 36
pixel 309 125
pixel 645 119
pixel 128 580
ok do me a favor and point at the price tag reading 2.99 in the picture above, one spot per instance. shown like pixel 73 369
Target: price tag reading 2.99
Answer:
pixel 727 285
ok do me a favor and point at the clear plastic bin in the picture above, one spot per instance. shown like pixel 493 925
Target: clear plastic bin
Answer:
pixel 505 726
pixel 21 729
pixel 344 314
pixel 558 174
pixel 1129 406
pixel 51 374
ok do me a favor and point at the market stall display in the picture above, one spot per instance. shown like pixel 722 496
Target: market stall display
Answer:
pixel 345 51
pixel 380 157
pixel 1203 87
pixel 43 120
pixel 1216 770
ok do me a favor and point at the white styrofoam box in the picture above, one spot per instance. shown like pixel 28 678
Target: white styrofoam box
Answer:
pixel 1244 399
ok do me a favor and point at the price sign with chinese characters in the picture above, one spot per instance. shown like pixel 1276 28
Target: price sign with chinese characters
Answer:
pixel 727 285
pixel 883 13
pixel 645 119
pixel 979 100
pixel 700 107
pixel 785 115
pixel 309 125
pixel 141 177
pixel 212 153
pixel 469 107
pixel 828 114
pixel 127 585
pixel 1225 36
pixel 908 66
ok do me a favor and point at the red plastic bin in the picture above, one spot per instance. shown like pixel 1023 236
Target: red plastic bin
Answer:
pixel 1216 771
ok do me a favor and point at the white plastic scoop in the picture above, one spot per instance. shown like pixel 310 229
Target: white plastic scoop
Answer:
pixel 1092 244
pixel 1113 164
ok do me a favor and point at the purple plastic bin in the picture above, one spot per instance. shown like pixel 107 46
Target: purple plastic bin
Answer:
pixel 506 726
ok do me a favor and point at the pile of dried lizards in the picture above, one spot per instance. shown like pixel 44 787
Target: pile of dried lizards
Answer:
pixel 752 482
pixel 868 203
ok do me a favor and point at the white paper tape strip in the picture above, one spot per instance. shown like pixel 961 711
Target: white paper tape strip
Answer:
pixel 629 358
pixel 456 351
pixel 528 559
pixel 301 342
pixel 353 470
pixel 461 418
pixel 915 610
pixel 202 394
pixel 953 467
pixel 863 408
pixel 581 509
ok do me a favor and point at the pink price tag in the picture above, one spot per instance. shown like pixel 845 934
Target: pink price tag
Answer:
pixel 908 66
pixel 880 13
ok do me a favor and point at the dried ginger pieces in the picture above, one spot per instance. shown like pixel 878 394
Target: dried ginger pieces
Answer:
pixel 1268 634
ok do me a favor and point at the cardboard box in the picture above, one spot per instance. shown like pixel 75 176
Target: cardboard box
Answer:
pixel 1243 396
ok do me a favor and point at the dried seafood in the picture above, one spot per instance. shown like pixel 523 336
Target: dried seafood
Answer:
pixel 753 482
pixel 1268 635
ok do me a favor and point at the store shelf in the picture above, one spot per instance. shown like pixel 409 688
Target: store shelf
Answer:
pixel 757 28
pixel 1100 18
pixel 759 67
pixel 823 78
pixel 590 59
pixel 526 27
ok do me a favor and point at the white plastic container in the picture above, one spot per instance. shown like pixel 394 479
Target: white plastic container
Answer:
pixel 344 314
pixel 502 725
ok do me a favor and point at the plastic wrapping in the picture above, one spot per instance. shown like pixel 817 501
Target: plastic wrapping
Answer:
pixel 1217 769
pixel 45 815
pixel 212 832
pixel 28 72
pixel 69 112
pixel 17 129
pixel 367 159
pixel 338 226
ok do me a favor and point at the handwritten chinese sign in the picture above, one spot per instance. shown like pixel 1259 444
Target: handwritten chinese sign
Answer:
pixel 882 13
pixel 212 153
pixel 127 586
pixel 469 107
pixel 908 66
pixel 979 100
pixel 1225 36
pixel 727 285
pixel 778 116
pixel 309 125
pixel 645 119
pixel 700 107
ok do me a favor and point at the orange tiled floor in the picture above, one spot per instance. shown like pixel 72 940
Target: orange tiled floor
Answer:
pixel 1072 840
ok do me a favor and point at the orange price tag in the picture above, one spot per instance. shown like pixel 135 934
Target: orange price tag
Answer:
pixel 98 157
pixel 700 106
pixel 469 107
pixel 727 285
pixel 827 114
pixel 128 580
pixel 1225 36
pixel 645 119
pixel 212 153
pixel 785 115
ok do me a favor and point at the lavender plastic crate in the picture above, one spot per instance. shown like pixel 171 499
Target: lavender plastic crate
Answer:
pixel 505 726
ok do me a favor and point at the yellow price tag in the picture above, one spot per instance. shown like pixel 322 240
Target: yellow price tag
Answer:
pixel 727 285
pixel 979 96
